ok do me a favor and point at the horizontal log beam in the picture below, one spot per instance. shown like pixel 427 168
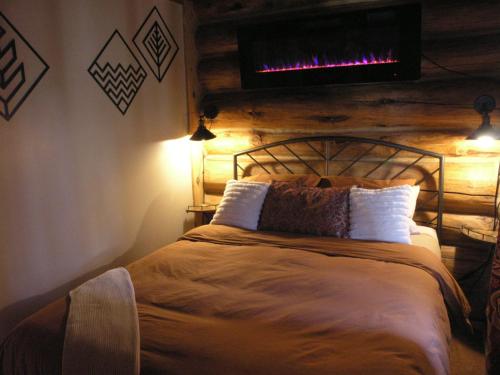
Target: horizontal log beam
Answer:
pixel 410 106
pixel 444 18
pixel 212 12
pixel 448 142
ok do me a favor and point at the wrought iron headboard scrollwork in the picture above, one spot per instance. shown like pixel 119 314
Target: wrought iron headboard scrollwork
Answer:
pixel 332 155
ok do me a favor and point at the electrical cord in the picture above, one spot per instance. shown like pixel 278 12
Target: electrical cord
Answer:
pixel 463 74
pixel 434 62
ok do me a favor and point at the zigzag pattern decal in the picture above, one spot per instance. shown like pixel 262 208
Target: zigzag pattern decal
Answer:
pixel 119 83
pixel 118 72
pixel 17 58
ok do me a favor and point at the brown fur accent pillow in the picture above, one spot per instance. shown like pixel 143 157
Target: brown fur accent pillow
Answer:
pixel 363 182
pixel 297 179
pixel 309 210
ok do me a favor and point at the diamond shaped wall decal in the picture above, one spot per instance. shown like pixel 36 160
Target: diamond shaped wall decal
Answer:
pixel 118 72
pixel 156 44
pixel 21 68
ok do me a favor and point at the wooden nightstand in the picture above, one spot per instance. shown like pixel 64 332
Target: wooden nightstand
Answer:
pixel 488 239
pixel 203 213
pixel 472 269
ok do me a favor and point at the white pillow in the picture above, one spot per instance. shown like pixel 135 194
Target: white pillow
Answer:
pixel 381 214
pixel 241 204
pixel 415 190
pixel 414 229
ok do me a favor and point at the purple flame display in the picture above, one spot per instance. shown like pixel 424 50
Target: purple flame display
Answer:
pixel 315 63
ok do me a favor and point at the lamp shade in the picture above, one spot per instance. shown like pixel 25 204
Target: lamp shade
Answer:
pixel 484 104
pixel 202 133
pixel 485 131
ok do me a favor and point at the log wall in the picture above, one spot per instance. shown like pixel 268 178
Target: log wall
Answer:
pixel 433 113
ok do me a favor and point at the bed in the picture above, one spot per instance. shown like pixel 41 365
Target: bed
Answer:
pixel 225 300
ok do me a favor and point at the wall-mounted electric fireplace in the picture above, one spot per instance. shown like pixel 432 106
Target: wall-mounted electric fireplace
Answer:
pixel 363 46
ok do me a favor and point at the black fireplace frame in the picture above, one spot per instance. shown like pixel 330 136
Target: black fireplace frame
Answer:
pixel 408 67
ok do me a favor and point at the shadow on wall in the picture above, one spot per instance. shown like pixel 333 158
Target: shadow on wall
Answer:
pixel 145 242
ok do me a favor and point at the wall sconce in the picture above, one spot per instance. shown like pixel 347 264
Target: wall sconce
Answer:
pixel 202 133
pixel 486 134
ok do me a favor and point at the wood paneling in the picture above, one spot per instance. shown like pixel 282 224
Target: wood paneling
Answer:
pixel 408 106
pixel 449 142
pixel 434 113
pixel 443 18
pixel 211 12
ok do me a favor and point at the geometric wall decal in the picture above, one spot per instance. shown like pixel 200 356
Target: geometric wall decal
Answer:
pixel 118 72
pixel 21 68
pixel 156 44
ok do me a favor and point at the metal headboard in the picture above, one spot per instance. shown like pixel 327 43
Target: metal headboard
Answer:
pixel 332 155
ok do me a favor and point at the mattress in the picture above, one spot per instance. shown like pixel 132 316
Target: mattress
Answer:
pixel 428 239
pixel 224 300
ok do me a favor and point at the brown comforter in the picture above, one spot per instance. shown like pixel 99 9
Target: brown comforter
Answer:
pixel 224 300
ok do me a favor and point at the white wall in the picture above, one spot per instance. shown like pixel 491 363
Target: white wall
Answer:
pixel 83 187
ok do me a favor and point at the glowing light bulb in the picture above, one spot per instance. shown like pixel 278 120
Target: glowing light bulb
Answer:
pixel 485 141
